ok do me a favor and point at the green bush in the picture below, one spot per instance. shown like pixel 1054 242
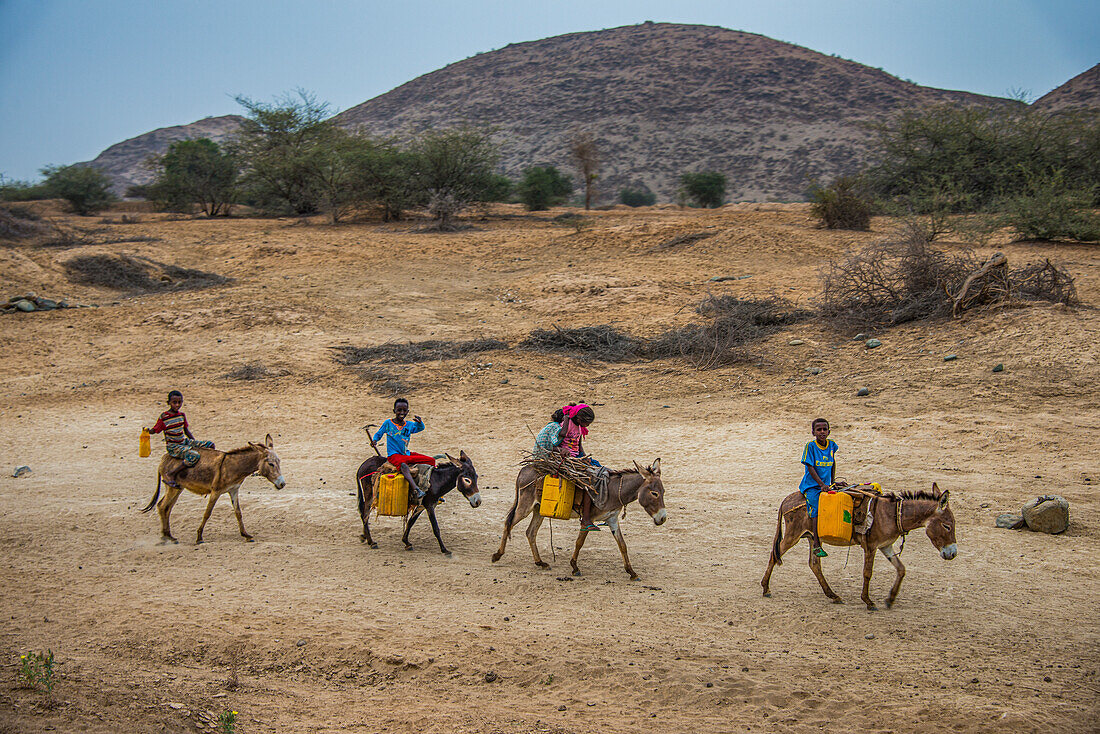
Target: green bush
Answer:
pixel 842 204
pixel 543 187
pixel 704 189
pixel 194 172
pixel 637 197
pixel 1048 210
pixel 11 190
pixel 87 189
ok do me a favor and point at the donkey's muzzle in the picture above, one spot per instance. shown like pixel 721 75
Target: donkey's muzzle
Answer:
pixel 949 551
pixel 279 482
pixel 660 517
pixel 475 499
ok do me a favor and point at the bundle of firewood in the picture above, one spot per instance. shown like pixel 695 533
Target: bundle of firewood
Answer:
pixel 570 467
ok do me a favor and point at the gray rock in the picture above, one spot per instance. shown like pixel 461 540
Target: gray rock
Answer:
pixel 859 337
pixel 950 357
pixel 46 304
pixel 302 642
pixel 21 470
pixel 490 677
pixel 814 370
pixel 1047 514
pixel 795 342
pixel 24 305
pixel 1010 521
pixel 863 392
pixel 872 343
pixel 63 304
pixel 998 368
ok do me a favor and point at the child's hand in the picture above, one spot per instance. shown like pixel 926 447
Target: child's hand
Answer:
pixel 418 419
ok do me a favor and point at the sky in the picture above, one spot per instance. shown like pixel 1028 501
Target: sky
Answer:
pixel 77 76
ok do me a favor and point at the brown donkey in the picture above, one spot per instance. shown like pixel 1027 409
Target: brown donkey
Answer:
pixel 894 516
pixel 642 484
pixel 216 473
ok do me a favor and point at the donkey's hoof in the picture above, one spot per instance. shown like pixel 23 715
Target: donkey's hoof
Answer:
pixel 871 607
pixel 496 557
pixel 447 553
pixel 249 539
pixel 837 600
pixel 167 539
pixel 408 547
pixel 889 603
pixel 768 594
pixel 633 577
pixel 199 541
pixel 542 564
pixel 374 546
pixel 362 539
pixel 576 572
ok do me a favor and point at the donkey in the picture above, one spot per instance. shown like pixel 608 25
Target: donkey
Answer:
pixel 642 484
pixel 216 473
pixel 445 477
pixel 894 516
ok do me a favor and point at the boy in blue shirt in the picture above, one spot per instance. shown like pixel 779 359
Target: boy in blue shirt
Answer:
pixel 398 431
pixel 819 458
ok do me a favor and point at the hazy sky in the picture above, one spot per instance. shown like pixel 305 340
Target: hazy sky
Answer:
pixel 77 76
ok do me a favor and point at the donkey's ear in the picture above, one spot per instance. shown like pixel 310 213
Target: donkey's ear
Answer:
pixel 453 459
pixel 943 499
pixel 462 455
pixel 268 442
pixel 655 467
pixel 640 469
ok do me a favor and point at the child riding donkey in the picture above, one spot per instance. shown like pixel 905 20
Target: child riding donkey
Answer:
pixel 398 431
pixel 178 441
pixel 564 435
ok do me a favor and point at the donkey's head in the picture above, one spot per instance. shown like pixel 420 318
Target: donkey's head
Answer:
pixel 269 462
pixel 941 526
pixel 467 478
pixel 651 495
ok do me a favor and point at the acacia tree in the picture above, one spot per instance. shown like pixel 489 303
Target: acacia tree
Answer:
pixel 86 188
pixel 453 168
pixel 195 172
pixel 582 146
pixel 705 189
pixel 542 187
pixel 279 145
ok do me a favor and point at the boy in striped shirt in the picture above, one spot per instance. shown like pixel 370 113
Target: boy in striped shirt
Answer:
pixel 178 441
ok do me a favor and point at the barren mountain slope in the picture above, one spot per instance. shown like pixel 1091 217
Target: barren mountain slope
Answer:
pixel 1082 91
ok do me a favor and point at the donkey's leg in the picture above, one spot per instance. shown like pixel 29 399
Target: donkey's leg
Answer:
pixel 786 542
pixel 164 509
pixel 213 499
pixel 888 551
pixel 815 566
pixel 365 499
pixel 435 529
pixel 613 521
pixel 408 527
pixel 868 565
pixel 532 534
pixel 237 510
pixel 520 508
pixel 581 537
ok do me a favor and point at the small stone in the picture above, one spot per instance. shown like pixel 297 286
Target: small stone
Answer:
pixel 973 680
pixel 1047 514
pixel 950 357
pixel 1010 521
pixel 869 637
pixel 1047 679
pixel 998 368
pixel 63 304
pixel 795 342
pixel 46 304
pixel 21 470
pixel 24 305
pixel 562 708
pixel 872 343
pixel 301 643
pixel 859 337
pixel 863 392
pixel 504 381
pixel 490 677
pixel 814 370
pixel 710 685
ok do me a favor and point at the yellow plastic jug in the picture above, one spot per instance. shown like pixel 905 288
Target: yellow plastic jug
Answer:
pixel 557 498
pixel 834 517
pixel 143 444
pixel 393 495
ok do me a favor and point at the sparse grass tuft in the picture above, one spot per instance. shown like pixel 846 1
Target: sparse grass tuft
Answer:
pixel 413 352
pixel 136 275
pixel 603 343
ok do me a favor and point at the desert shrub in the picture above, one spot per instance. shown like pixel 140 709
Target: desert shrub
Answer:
pixel 413 352
pixel 12 190
pixel 86 188
pixel 602 343
pixel 1043 282
pixel 383 382
pixel 249 372
pixel 194 172
pixel 136 275
pixel 454 168
pixel 637 197
pixel 730 324
pixel 1048 210
pixel 705 189
pixel 843 204
pixel 18 223
pixel 543 187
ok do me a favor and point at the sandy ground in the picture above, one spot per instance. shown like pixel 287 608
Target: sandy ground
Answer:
pixel 322 634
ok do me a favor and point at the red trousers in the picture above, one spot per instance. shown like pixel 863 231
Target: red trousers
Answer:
pixel 399 459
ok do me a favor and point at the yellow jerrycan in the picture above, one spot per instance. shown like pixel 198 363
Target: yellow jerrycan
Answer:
pixel 834 517
pixel 557 497
pixel 393 495
pixel 143 444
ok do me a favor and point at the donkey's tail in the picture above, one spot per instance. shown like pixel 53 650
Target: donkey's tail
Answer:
pixel 778 537
pixel 511 517
pixel 361 499
pixel 156 496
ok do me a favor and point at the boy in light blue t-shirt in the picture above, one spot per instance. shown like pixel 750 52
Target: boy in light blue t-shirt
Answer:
pixel 819 458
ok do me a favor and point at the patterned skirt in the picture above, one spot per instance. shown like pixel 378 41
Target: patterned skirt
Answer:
pixel 186 452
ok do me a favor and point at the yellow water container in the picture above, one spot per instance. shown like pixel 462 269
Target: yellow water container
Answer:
pixel 834 517
pixel 557 498
pixel 393 495
pixel 143 444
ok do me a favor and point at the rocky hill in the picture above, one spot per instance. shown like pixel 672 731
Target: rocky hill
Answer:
pixel 125 161
pixel 663 99
pixel 1080 92
pixel 660 98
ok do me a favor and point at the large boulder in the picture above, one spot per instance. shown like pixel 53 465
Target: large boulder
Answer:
pixel 1047 514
